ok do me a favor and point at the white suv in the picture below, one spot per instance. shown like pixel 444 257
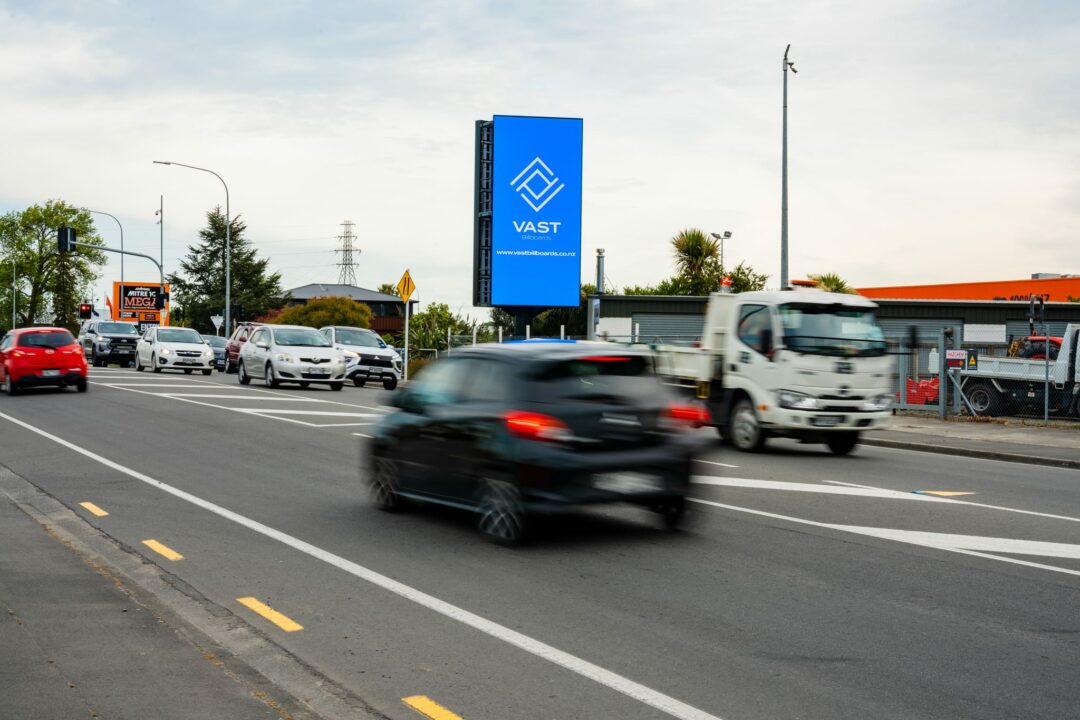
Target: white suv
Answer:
pixel 291 353
pixel 173 348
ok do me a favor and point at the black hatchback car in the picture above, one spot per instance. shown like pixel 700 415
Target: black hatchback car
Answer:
pixel 519 429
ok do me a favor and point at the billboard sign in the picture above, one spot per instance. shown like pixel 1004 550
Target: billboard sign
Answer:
pixel 536 212
pixel 139 302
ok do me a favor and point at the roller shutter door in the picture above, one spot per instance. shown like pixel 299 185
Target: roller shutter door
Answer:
pixel 674 326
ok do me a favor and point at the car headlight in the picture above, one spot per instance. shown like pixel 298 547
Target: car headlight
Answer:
pixel 164 352
pixel 103 344
pixel 208 353
pixel 796 400
pixel 350 355
pixel 881 402
pixel 284 357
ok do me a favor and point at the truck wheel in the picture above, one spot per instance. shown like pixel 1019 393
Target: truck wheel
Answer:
pixel 745 428
pixel 983 398
pixel 842 443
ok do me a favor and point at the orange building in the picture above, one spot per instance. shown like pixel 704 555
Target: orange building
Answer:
pixel 1058 289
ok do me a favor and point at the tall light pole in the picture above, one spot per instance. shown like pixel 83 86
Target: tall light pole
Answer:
pixel 228 241
pixel 726 235
pixel 160 212
pixel 783 193
pixel 14 292
pixel 99 212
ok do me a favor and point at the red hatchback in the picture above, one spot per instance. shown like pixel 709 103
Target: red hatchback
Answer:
pixel 31 357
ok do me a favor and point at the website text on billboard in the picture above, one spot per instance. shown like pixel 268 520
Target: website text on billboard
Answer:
pixel 536 212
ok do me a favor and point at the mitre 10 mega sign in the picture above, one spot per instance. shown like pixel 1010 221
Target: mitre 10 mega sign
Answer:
pixel 139 302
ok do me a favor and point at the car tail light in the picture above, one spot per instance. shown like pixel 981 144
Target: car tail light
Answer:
pixel 604 358
pixel 693 415
pixel 537 426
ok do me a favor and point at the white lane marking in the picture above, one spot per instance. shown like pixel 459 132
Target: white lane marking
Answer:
pixel 811 487
pixel 126 385
pixel 369 437
pixel 275 411
pixel 713 462
pixel 240 397
pixel 957 501
pixel 619 683
pixel 902 536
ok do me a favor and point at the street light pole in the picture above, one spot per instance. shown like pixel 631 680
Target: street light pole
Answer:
pixel 783 192
pixel 722 237
pixel 228 241
pixel 14 292
pixel 160 212
pixel 99 212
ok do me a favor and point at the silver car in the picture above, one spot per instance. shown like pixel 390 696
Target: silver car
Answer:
pixel 368 357
pixel 291 353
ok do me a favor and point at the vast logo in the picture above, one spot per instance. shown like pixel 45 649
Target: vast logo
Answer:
pixel 538 174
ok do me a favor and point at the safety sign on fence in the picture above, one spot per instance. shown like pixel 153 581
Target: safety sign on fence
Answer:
pixel 956 359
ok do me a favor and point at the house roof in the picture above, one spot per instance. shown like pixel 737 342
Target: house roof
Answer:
pixel 315 290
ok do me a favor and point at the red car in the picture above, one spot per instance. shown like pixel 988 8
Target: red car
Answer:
pixel 32 357
pixel 236 343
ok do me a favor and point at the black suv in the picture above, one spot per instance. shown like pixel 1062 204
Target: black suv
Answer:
pixel 109 341
pixel 513 430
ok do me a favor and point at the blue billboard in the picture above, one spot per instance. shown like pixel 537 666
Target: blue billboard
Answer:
pixel 536 212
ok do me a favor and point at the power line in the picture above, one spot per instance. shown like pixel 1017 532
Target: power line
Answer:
pixel 347 275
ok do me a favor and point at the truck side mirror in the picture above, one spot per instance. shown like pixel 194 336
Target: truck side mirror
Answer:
pixel 767 343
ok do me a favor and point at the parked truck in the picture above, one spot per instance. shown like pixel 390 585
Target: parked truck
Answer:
pixel 801 363
pixel 1010 385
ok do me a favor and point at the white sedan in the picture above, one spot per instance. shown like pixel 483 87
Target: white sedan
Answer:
pixel 171 348
pixel 292 354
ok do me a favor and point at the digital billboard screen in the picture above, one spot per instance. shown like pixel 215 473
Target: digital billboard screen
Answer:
pixel 536 212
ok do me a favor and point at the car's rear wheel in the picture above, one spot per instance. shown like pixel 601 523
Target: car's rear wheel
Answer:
pixel 154 363
pixel 359 382
pixel 9 385
pixel 82 385
pixel 842 443
pixel 271 379
pixel 336 386
pixel 672 512
pixel 384 485
pixel 389 383
pixel 242 375
pixel 502 515
pixel 745 428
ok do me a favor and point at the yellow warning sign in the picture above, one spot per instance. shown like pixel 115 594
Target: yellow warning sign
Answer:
pixel 972 360
pixel 406 287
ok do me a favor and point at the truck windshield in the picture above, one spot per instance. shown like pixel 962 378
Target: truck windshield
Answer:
pixel 832 330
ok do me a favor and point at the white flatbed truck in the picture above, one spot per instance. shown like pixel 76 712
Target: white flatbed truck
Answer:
pixel 803 364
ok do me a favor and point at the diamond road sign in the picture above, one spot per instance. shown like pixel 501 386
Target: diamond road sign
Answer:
pixel 406 287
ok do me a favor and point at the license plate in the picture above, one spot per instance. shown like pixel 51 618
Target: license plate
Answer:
pixel 123 351
pixel 827 420
pixel 627 482
pixel 50 373
pixel 318 371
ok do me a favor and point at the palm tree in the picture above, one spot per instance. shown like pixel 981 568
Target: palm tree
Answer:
pixel 694 249
pixel 831 282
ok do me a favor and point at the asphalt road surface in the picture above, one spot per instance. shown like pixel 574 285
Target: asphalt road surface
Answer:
pixel 807 586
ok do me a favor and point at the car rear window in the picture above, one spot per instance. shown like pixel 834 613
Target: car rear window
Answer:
pixel 597 375
pixel 46 339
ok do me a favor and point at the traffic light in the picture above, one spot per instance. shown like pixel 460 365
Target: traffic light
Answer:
pixel 86 311
pixel 161 300
pixel 65 239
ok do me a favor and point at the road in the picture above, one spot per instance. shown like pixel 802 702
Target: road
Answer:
pixel 807 586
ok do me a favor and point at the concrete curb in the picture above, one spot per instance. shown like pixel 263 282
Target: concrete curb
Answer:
pixel 974 453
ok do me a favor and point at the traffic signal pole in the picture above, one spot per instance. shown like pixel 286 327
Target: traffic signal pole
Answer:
pixel 72 244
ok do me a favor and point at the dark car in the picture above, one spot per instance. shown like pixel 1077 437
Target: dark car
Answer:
pixel 520 429
pixel 236 343
pixel 217 344
pixel 109 341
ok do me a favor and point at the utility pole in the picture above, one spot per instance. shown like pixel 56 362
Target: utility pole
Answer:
pixel 160 212
pixel 347 274
pixel 14 290
pixel 783 193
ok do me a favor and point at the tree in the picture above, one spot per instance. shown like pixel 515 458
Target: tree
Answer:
pixel 831 282
pixel 574 319
pixel 389 289
pixel 199 289
pixel 694 252
pixel 428 329
pixel 323 311
pixel 57 282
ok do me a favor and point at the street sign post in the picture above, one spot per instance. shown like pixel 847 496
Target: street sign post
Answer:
pixel 406 287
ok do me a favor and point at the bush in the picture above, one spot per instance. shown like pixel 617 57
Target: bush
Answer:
pixel 416 365
pixel 320 312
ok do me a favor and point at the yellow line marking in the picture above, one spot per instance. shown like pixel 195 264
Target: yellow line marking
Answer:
pixel 942 493
pixel 163 550
pixel 94 509
pixel 283 622
pixel 429 708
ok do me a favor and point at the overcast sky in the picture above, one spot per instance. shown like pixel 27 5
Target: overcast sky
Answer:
pixel 929 141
